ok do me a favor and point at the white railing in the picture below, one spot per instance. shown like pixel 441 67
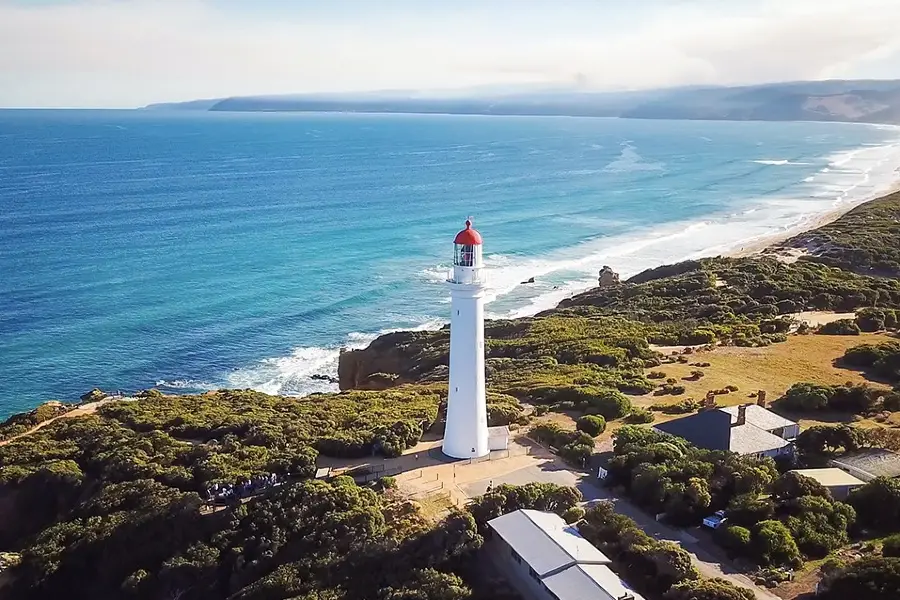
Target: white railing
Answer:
pixel 467 275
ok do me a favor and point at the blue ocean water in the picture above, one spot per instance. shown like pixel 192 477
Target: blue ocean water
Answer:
pixel 190 251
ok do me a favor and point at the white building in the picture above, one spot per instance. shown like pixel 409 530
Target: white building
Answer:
pixel 466 434
pixel 838 482
pixel 547 559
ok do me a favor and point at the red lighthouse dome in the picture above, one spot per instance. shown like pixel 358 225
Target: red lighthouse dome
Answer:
pixel 468 236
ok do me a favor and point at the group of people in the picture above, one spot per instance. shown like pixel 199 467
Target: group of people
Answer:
pixel 226 492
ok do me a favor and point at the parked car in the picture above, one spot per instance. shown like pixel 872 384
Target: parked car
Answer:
pixel 714 521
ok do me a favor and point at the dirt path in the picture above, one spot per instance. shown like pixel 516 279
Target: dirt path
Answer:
pixel 84 409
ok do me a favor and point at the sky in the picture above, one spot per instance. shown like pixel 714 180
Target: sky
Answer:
pixel 129 53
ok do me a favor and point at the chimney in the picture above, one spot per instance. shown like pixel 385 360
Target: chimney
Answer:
pixel 709 401
pixel 761 398
pixel 742 415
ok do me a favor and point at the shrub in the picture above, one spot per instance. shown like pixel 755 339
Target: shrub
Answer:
pixel 891 546
pixel 877 504
pixel 697 374
pixel 875 578
pixel 679 408
pixel 708 589
pixel 734 538
pixel 749 509
pixel 640 415
pixel 870 319
pixel 791 486
pixel 839 327
pixel 731 388
pixel 677 390
pixel 592 425
pixel 573 515
pixel 610 403
pixel 656 375
pixel 773 544
pixel 387 482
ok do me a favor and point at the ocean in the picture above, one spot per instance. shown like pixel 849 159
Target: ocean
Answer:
pixel 189 251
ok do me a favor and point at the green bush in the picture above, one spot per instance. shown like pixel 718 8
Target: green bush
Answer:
pixel 573 515
pixel 708 589
pixel 640 415
pixel 592 425
pixel 773 544
pixel 734 538
pixel 891 546
pixel 874 578
pixel 839 327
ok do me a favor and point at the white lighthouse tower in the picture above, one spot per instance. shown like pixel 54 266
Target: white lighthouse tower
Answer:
pixel 466 435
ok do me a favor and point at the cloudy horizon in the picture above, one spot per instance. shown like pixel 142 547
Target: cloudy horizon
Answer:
pixel 129 53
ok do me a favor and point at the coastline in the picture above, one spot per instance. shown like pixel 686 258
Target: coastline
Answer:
pixel 773 244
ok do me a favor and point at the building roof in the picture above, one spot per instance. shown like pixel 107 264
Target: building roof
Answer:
pixel 545 541
pixel 468 236
pixel 869 464
pixel 715 430
pixel 499 430
pixel 830 477
pixel 759 416
pixel 750 439
pixel 568 565
pixel 708 429
pixel 588 581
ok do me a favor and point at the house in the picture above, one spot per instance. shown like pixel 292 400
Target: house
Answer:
pixel 748 429
pixel 544 558
pixel 838 482
pixel 869 464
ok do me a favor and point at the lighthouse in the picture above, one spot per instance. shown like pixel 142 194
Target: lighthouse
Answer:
pixel 466 434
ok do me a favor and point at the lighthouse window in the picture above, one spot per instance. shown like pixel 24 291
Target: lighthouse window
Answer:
pixel 465 255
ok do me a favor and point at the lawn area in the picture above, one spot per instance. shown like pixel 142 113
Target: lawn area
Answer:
pixel 772 368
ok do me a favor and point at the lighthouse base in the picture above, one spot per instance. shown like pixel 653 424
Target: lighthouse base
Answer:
pixel 465 453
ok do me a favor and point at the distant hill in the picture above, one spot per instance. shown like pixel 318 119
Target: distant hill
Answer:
pixel 865 101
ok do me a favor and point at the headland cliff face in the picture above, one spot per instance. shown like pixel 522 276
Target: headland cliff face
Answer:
pixel 393 359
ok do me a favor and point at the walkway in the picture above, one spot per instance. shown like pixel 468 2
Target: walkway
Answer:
pixel 84 409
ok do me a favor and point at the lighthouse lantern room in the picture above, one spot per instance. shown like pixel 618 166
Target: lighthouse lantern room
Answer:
pixel 466 434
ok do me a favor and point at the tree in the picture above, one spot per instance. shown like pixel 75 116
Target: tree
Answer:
pixel 708 589
pixel 877 504
pixel 749 509
pixel 734 538
pixel 592 425
pixel 773 545
pixel 793 485
pixel 429 584
pixel 870 578
pixel 507 498
pixel 819 525
pixel 840 327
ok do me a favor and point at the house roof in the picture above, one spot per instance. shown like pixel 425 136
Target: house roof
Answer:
pixel 567 564
pixel 869 464
pixel 715 430
pixel 588 581
pixel 830 477
pixel 708 429
pixel 545 541
pixel 750 439
pixel 759 416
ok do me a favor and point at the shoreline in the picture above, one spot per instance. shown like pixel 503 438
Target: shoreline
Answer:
pixel 773 244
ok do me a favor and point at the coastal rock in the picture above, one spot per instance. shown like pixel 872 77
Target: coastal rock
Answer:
pixel 396 358
pixel 608 277
pixel 321 377
pixel 94 395
pixel 529 280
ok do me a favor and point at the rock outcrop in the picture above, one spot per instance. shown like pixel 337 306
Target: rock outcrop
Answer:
pixel 608 277
pixel 393 359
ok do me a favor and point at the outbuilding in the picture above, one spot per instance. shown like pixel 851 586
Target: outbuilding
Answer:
pixel 838 482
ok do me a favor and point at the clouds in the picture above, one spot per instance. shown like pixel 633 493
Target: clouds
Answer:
pixel 132 52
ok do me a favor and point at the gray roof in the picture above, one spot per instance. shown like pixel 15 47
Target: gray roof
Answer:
pixel 715 430
pixel 708 429
pixel 750 439
pixel 588 581
pixel 566 563
pixel 545 541
pixel 759 416
pixel 498 430
pixel 869 464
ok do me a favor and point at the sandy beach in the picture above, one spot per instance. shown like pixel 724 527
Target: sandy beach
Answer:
pixel 771 244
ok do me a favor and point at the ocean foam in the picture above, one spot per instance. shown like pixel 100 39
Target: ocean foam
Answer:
pixel 778 163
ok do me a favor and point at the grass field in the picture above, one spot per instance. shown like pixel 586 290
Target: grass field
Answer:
pixel 772 368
